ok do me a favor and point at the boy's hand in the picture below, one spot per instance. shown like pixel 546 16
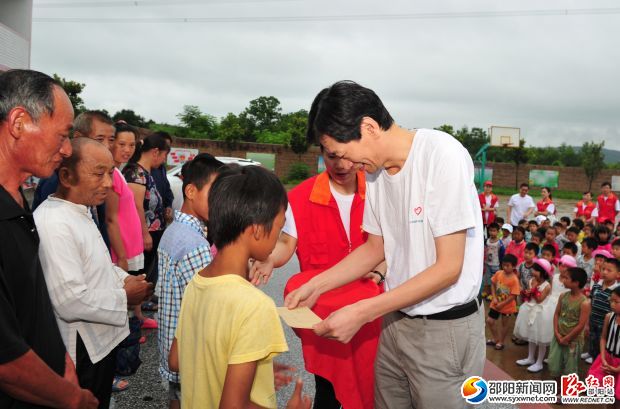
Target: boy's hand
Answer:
pixel 282 375
pixel 298 401
pixel 261 271
pixel 304 296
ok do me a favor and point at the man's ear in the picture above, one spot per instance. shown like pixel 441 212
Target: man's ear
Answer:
pixel 18 121
pixel 66 177
pixel 369 127
pixel 258 232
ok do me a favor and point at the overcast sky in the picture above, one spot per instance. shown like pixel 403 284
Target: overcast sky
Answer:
pixel 557 77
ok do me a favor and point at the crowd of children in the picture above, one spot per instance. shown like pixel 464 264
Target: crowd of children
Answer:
pixel 562 282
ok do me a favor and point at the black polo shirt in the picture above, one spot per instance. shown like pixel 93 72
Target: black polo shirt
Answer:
pixel 27 319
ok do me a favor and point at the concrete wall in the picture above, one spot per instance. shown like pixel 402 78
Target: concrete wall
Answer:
pixel 15 33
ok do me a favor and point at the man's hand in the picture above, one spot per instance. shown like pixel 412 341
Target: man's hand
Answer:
pixel 343 324
pixel 304 296
pixel 85 400
pixel 298 401
pixel 282 375
pixel 70 373
pixel 137 289
pixel 148 241
pixel 261 271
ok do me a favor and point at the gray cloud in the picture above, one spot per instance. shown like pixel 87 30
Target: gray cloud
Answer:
pixel 556 77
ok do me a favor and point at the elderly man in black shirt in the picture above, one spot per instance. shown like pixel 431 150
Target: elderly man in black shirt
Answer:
pixel 35 369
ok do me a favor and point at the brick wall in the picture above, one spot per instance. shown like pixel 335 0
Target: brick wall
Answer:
pixel 285 157
pixel 570 178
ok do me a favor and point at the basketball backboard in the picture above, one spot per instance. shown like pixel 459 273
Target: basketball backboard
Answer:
pixel 505 136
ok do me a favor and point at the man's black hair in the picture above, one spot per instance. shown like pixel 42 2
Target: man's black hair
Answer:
pixel 32 90
pixel 532 246
pixel 550 248
pixel 199 170
pixel 240 197
pixel 571 246
pixel 510 258
pixel 578 274
pixel 606 183
pixel 590 242
pixel 338 111
pixel 524 185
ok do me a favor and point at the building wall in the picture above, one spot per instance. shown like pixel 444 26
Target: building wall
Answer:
pixel 15 33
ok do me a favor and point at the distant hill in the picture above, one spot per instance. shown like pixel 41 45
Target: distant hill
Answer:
pixel 611 156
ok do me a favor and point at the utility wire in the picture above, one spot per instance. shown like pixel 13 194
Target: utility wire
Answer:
pixel 143 3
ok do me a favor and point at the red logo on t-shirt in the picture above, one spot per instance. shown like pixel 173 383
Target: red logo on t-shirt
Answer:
pixel 417 210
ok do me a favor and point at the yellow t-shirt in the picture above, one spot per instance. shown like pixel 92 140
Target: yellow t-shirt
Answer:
pixel 226 320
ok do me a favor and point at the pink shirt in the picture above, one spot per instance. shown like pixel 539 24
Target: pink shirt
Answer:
pixel 128 219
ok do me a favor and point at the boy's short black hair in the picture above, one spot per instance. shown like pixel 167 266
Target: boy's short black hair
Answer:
pixel 572 230
pixel 240 197
pixel 199 170
pixel 571 246
pixel 578 274
pixel 539 234
pixel 615 243
pixel 499 220
pixel 614 262
pixel 558 224
pixel 532 247
pixel 616 291
pixel 521 222
pixel 338 111
pixel 524 185
pixel 493 226
pixel 531 222
pixel 579 223
pixel 590 242
pixel 550 248
pixel 511 259
pixel 565 219
pixel 519 229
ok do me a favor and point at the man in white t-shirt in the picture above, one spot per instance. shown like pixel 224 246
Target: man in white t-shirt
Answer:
pixel 520 206
pixel 423 215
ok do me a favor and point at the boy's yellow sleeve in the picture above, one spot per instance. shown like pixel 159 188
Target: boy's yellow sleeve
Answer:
pixel 259 333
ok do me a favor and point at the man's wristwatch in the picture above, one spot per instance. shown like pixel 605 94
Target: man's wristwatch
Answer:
pixel 381 276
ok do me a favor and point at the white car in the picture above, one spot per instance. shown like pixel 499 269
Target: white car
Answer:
pixel 176 184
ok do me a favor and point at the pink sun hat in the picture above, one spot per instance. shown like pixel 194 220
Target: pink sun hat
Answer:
pixel 601 252
pixel 545 265
pixel 568 261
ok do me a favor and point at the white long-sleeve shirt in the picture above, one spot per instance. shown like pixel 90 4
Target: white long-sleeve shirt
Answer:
pixel 86 289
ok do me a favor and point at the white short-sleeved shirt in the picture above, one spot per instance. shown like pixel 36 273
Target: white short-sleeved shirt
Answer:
pixel 344 202
pixel 431 196
pixel 487 200
pixel 520 205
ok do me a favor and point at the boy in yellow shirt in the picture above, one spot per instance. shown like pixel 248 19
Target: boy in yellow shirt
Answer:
pixel 229 331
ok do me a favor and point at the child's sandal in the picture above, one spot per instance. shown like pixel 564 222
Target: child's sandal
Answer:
pixel 499 346
pixel 491 342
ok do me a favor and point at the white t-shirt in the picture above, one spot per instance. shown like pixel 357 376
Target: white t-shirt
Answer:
pixel 344 202
pixel 431 196
pixel 520 205
pixel 487 200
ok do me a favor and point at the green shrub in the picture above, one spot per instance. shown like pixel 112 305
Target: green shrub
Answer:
pixel 298 171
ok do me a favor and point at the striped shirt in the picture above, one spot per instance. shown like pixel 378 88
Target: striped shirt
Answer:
pixel 613 337
pixel 183 251
pixel 600 303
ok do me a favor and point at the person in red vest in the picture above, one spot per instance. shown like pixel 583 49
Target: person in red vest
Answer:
pixel 489 204
pixel 607 206
pixel 323 225
pixel 545 206
pixel 585 207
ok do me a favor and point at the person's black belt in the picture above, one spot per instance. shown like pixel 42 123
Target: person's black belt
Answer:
pixel 459 311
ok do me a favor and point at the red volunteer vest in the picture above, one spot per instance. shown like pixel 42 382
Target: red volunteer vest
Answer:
pixel 585 209
pixel 607 208
pixel 321 243
pixel 483 203
pixel 542 206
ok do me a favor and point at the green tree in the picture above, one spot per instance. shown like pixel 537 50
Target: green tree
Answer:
pixel 449 129
pixel 198 124
pixel 592 160
pixel 262 114
pixel 230 129
pixel 73 90
pixel 129 116
pixel 275 137
pixel 569 156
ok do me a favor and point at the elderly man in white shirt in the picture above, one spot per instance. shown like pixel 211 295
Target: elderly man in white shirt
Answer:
pixel 520 206
pixel 90 295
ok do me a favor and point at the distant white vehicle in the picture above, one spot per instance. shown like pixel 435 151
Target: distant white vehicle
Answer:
pixel 176 184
